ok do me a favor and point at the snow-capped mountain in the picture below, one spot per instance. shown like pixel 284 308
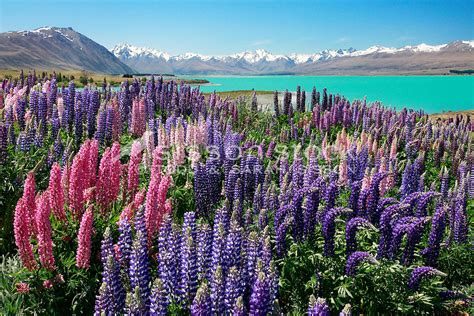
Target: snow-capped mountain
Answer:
pixel 408 58
pixel 56 48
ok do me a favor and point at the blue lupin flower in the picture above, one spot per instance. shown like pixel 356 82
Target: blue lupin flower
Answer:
pixel 355 258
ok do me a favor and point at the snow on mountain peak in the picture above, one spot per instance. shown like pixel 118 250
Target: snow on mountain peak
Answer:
pixel 127 51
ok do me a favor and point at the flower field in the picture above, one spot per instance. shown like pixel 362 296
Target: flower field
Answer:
pixel 160 200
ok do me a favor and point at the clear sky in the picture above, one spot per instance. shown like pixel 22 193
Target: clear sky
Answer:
pixel 229 26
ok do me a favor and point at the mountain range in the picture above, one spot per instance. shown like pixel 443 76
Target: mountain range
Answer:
pixel 421 58
pixel 49 48
pixel 56 48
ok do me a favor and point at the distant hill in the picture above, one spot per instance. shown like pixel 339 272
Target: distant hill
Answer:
pixel 419 59
pixel 56 48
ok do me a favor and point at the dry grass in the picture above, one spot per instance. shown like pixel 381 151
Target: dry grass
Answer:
pixel 449 114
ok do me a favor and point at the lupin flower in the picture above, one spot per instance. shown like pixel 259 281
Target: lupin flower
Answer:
pixel 260 298
pixel 30 201
pixel 420 273
pixel 239 308
pixel 56 193
pixel 43 226
pixel 217 291
pixel 233 289
pixel 158 299
pixel 351 230
pixel 438 224
pixel 355 258
pixel 329 228
pixel 133 168
pixel 139 268
pixel 84 240
pixel 22 233
pixel 202 303
pixel 318 307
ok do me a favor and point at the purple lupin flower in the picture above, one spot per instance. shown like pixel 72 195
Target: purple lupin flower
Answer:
pixel 158 299
pixel 20 113
pixel 230 182
pixel 318 307
pixel 125 242
pixel 280 238
pixel 139 269
pixel 78 122
pixel 239 307
pixel 354 196
pixel 233 289
pixel 165 265
pixel 202 302
pixel 233 244
pixel 400 228
pixel 55 123
pixel 218 247
pixel 252 254
pixel 217 291
pixel 109 121
pixel 331 195
pixel 114 283
pixel 329 228
pixel 420 273
pixel 460 219
pixel 260 298
pixel 311 210
pixel 351 230
pixel 201 190
pixel 103 301
pixel 3 143
pixel 385 226
pixel 423 201
pixel 374 196
pixel 102 121
pixel 204 243
pixel 355 258
pixel 414 235
pixel 444 183
pixel 133 303
pixel 188 273
pixel 92 110
pixel 438 224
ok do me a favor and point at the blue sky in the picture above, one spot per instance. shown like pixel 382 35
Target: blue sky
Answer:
pixel 228 26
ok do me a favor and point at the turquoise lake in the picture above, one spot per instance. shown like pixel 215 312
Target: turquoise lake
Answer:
pixel 433 94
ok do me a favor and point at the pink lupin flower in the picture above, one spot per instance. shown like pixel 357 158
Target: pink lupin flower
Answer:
pixel 393 148
pixel 92 166
pixel 103 180
pixel 65 182
pixel 47 284
pixel 84 240
pixel 139 198
pixel 22 231
pixel 22 287
pixel 127 213
pixel 76 185
pixel 30 199
pixel 157 162
pixel 343 170
pixel 115 172
pixel 56 194
pixel 133 168
pixel 151 207
pixel 43 225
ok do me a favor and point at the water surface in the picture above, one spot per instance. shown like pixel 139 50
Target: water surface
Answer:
pixel 433 94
